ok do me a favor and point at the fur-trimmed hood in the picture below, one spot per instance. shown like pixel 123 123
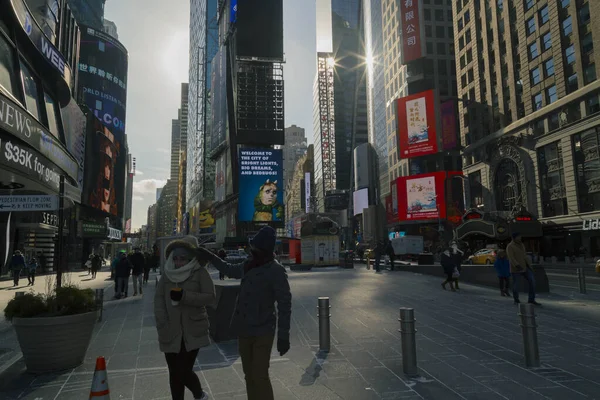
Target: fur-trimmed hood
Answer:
pixel 187 242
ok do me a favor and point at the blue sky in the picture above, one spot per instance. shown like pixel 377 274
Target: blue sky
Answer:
pixel 156 34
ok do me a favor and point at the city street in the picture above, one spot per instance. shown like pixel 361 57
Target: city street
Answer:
pixel 469 347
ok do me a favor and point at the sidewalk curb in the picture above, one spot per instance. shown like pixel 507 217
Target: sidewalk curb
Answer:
pixel 10 363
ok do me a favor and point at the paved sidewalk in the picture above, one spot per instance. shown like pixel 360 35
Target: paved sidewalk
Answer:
pixel 469 347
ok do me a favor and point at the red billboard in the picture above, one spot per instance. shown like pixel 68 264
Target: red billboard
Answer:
pixel 421 197
pixel 411 31
pixel 417 131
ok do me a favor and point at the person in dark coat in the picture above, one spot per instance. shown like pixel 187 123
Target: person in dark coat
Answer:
pixel 122 273
pixel 222 255
pixel 379 250
pixel 502 266
pixel 17 263
pixel 389 249
pixel 96 265
pixel 147 266
pixel 138 263
pixel 448 265
pixel 457 257
pixel 264 282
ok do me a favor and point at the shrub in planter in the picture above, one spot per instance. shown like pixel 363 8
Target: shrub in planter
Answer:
pixel 54 331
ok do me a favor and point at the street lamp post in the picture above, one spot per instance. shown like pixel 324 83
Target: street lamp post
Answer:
pixel 60 241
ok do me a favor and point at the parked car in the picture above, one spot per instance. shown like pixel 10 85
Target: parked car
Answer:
pixel 483 256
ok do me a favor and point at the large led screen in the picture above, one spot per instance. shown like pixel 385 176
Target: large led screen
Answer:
pixel 103 77
pixel 260 185
pixel 260 29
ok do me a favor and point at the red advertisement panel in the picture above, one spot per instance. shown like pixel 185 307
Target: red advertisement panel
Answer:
pixel 421 197
pixel 417 133
pixel 411 30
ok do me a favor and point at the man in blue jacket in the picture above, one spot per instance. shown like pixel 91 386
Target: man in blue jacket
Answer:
pixel 264 282
pixel 17 263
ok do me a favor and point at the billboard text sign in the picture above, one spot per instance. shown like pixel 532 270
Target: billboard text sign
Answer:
pixel 421 197
pixel 261 185
pixel 412 48
pixel 417 133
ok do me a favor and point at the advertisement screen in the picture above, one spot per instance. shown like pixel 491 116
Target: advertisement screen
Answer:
pixel 104 183
pixel 412 47
pixel 103 77
pixel 449 124
pixel 361 200
pixel 260 29
pixel 261 185
pixel 218 99
pixel 417 133
pixel 206 219
pixel 421 197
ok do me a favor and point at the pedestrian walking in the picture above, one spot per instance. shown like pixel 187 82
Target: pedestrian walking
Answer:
pixel 502 267
pixel 42 261
pixel 449 267
pixel 378 253
pixel 264 282
pixel 88 264
pixel 457 257
pixel 182 295
pixel 520 267
pixel 122 273
pixel 138 263
pixel 147 263
pixel 32 267
pixel 17 263
pixel 389 249
pixel 222 255
pixel 96 265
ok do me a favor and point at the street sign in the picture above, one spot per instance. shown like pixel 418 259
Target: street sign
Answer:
pixel 28 203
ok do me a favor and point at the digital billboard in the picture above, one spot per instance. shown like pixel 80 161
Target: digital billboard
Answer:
pixel 103 77
pixel 417 130
pixel 421 197
pixel 218 99
pixel 104 179
pixel 412 43
pixel 360 200
pixel 259 29
pixel 260 185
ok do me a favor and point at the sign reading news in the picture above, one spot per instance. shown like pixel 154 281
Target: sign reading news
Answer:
pixel 261 185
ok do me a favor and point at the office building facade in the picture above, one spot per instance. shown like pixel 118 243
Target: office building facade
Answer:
pixel 531 129
pixel 294 148
pixel 89 12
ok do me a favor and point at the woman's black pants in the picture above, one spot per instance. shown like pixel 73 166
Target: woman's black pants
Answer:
pixel 181 373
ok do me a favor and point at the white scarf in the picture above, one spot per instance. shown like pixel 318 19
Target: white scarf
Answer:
pixel 178 275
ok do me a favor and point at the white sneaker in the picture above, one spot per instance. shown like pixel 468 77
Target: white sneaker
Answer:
pixel 204 396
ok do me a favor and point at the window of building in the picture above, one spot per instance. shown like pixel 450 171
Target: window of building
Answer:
pixel 546 41
pixel 584 13
pixel 442 67
pixel 551 95
pixel 463 61
pixel 533 51
pixel 450 32
pixel 441 48
pixel 500 4
pixel 461 43
pixel 589 74
pixel 427 14
pixel 567 26
pixel 31 87
pixel 467 16
pixel 572 83
pixel 469 56
pixel 587 43
pixel 537 101
pixel 587 169
pixel 440 32
pixel 458 5
pixel 468 36
pixel 535 76
pixel 460 24
pixel 570 54
pixel 470 74
pixel 528 4
pixel 439 15
pixel 553 122
pixel 544 16
pixel 428 31
pixel 549 67
pixel 565 3
pixel 531 25
pixel 429 48
pixel 52 114
pixel 552 180
pixel 592 104
pixel 463 81
pixel 449 15
pixel 7 66
pixel 476 189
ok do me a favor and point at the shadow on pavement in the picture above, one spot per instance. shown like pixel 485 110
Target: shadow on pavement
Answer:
pixel 313 371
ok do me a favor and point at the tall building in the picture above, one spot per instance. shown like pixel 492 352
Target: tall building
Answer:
pixel 182 160
pixel 89 12
pixel 183 118
pixel 340 112
pixel 111 28
pixel 295 147
pixel 204 44
pixel 175 148
pixel 151 225
pixel 531 127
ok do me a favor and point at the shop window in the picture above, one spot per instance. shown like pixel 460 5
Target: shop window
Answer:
pixel 587 169
pixel 32 98
pixel 7 66
pixel 552 180
pixel 52 115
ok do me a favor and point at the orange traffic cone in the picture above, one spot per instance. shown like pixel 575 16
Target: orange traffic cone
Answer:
pixel 100 382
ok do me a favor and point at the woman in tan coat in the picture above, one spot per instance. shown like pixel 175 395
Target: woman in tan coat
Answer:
pixel 182 295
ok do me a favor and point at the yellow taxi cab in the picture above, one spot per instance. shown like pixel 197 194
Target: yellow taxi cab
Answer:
pixel 483 257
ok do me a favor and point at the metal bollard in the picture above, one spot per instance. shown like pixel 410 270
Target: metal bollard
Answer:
pixel 529 329
pixel 100 302
pixel 581 280
pixel 324 314
pixel 409 344
pixel 19 294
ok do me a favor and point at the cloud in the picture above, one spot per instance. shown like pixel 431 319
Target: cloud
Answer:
pixel 138 172
pixel 138 198
pixel 147 186
pixel 161 150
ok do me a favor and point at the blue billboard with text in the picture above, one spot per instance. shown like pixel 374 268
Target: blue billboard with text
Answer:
pixel 260 185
